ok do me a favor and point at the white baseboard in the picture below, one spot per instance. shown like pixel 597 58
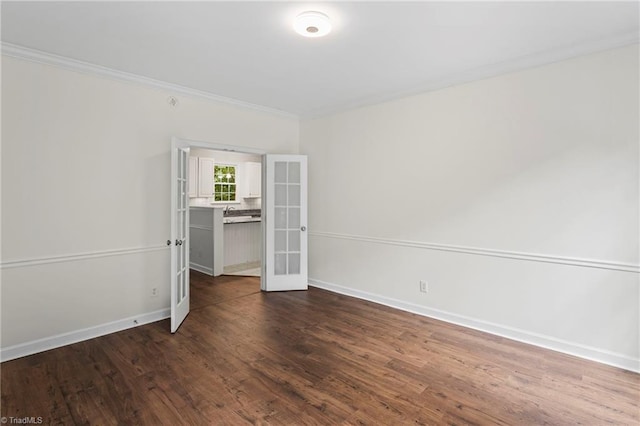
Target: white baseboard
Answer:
pixel 47 343
pixel 200 268
pixel 547 342
pixel 571 348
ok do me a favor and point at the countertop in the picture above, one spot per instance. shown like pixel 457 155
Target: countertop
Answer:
pixel 240 219
pixel 233 215
pixel 242 216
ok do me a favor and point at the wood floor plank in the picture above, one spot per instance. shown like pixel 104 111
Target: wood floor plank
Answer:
pixel 310 358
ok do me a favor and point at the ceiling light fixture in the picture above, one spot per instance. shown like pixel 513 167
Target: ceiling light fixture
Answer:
pixel 312 24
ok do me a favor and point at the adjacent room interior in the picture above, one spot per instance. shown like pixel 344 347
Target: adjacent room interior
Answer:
pixel 466 220
pixel 230 182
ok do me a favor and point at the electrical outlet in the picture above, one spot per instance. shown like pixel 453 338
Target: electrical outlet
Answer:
pixel 424 286
pixel 154 292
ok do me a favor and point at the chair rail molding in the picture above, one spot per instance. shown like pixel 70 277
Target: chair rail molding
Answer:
pixel 479 251
pixel 21 263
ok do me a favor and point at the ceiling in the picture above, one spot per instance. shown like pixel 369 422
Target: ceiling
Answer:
pixel 248 51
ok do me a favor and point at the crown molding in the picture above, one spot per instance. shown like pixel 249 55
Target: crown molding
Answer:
pixel 491 70
pixel 521 63
pixel 33 55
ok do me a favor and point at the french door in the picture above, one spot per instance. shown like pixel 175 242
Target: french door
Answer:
pixel 284 215
pixel 179 232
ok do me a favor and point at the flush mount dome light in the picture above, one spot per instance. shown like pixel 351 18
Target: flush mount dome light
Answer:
pixel 312 24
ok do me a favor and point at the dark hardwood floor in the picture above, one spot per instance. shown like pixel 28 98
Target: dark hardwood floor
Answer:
pixel 312 357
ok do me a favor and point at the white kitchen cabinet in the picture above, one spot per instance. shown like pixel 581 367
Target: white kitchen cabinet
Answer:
pixel 253 179
pixel 242 243
pixel 201 177
pixel 205 177
pixel 206 246
pixel 193 177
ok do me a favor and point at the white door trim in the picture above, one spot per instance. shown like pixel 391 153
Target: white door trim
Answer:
pixel 221 147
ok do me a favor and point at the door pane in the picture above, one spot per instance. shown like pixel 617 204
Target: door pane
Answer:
pixel 183 254
pixel 280 172
pixel 294 263
pixel 281 195
pixel 179 260
pixel 280 264
pixel 294 195
pixel 178 298
pixel 281 241
pixel 281 218
pixel 294 241
pixel 294 172
pixel 294 218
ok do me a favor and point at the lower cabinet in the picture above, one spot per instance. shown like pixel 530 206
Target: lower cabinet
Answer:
pixel 242 243
pixel 206 239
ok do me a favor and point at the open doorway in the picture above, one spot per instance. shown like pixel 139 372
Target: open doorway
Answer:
pixel 283 219
pixel 225 204
pixel 180 240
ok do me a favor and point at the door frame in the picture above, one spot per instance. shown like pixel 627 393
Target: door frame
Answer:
pixel 215 146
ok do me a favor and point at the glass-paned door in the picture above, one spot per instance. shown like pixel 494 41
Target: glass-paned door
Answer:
pixel 179 233
pixel 285 217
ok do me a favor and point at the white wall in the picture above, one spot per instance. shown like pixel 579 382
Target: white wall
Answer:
pixel 516 197
pixel 85 173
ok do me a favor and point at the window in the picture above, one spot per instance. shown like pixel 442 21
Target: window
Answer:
pixel 224 180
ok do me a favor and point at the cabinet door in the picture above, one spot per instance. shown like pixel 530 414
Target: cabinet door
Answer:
pixel 205 177
pixel 193 177
pixel 254 179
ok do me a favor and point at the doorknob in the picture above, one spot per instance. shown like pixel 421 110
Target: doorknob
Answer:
pixel 303 228
pixel 168 242
pixel 178 242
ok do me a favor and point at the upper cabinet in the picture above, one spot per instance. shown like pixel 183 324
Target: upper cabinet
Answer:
pixel 193 177
pixel 221 182
pixel 205 177
pixel 253 179
pixel 201 177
